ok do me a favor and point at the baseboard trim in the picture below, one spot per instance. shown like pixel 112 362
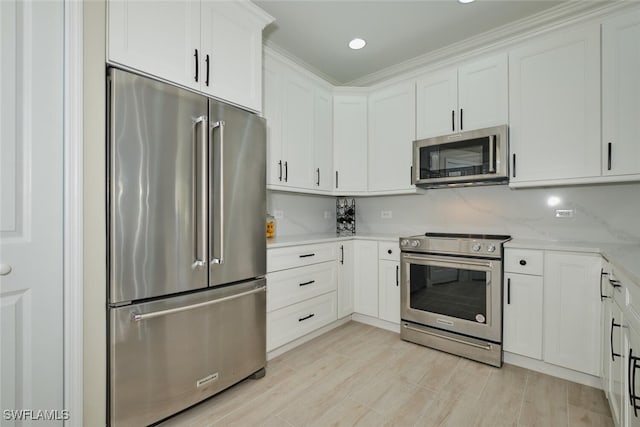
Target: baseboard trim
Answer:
pixel 552 370
pixel 374 321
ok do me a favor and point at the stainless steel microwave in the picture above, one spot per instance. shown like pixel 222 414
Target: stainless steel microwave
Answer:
pixel 476 157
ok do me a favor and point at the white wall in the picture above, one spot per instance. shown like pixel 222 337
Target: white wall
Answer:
pixel 603 213
pixel 303 213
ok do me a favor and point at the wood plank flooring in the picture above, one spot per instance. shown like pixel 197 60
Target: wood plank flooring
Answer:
pixel 359 375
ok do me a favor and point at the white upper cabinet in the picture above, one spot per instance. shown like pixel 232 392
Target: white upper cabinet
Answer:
pixel 323 141
pixel 554 107
pixel 436 104
pixel 473 96
pixel 350 143
pixel 483 98
pixel 621 95
pixel 298 111
pixel 214 47
pixel 391 133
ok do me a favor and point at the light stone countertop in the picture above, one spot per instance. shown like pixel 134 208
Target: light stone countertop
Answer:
pixel 623 257
pixel 308 239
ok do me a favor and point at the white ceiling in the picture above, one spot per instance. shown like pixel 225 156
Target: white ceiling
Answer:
pixel 317 31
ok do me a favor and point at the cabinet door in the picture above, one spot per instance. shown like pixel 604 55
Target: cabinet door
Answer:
pixel 436 104
pixel 522 321
pixel 482 93
pixel 159 38
pixel 572 311
pixel 272 110
pixel 621 95
pixel 389 291
pixel 366 278
pixel 554 107
pixel 391 133
pixel 297 131
pixel 323 141
pixel 350 143
pixel 232 44
pixel 346 277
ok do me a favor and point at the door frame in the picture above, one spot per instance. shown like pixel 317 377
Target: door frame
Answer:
pixel 73 213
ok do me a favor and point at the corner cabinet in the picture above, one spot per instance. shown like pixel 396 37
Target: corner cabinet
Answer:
pixel 350 143
pixel 212 47
pixel 472 96
pixel 554 107
pixel 621 95
pixel 391 133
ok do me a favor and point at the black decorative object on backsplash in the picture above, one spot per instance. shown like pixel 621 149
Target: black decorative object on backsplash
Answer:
pixel 345 215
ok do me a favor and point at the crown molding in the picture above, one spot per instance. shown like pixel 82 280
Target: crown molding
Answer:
pixel 292 60
pixel 568 13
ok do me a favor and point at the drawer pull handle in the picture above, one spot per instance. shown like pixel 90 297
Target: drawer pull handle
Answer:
pixel 307 255
pixel 307 283
pixel 615 283
pixel 523 262
pixel 302 319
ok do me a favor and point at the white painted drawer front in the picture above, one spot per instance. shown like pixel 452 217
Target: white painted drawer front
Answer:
pixel 523 261
pixel 298 256
pixel 389 251
pixel 294 321
pixel 288 287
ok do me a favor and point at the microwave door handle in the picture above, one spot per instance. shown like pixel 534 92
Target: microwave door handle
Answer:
pixel 492 150
pixel 220 183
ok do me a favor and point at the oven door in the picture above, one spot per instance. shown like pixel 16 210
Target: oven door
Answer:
pixel 460 295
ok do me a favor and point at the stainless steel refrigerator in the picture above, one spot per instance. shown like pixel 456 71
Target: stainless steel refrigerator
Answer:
pixel 187 248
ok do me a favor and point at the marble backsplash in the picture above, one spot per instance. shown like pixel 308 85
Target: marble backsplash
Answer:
pixel 602 213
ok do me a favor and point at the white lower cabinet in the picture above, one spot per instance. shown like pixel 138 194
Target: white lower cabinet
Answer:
pixel 366 277
pixel 346 275
pixel 389 282
pixel 522 311
pixel 301 291
pixel 571 336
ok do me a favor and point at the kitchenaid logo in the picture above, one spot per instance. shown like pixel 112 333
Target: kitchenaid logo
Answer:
pixel 36 415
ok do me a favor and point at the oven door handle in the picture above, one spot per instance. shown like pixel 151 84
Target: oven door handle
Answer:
pixel 484 347
pixel 463 262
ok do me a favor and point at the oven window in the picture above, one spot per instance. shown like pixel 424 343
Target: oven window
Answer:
pixel 449 291
pixel 469 157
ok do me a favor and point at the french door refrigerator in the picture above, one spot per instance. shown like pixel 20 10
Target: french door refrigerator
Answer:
pixel 187 248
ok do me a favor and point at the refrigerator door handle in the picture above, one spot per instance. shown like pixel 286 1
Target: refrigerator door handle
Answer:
pixel 137 317
pixel 220 182
pixel 200 156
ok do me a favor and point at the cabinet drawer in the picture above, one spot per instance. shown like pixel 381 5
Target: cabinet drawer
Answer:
pixel 294 321
pixel 389 251
pixel 291 286
pixel 298 256
pixel 523 261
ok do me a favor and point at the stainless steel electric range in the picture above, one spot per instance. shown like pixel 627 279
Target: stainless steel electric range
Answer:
pixel 451 293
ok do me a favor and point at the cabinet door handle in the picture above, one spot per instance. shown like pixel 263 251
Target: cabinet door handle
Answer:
pixel 280 173
pixel 514 165
pixel 307 283
pixel 602 274
pixel 286 172
pixel 336 179
pixel 302 319
pixel 397 277
pixel 206 79
pixel 613 323
pixel 453 120
pixel 341 254
pixel 461 127
pixel 197 61
pixel 609 156
pixel 509 291
pixel 631 379
pixel 615 283
pixel 318 182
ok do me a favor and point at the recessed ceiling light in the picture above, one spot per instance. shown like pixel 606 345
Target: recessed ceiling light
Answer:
pixel 356 44
pixel 465 1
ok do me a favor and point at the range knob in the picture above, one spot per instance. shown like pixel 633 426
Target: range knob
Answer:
pixel 476 247
pixel 404 242
pixel 491 248
pixel 415 243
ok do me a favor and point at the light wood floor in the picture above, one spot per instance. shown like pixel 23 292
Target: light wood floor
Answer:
pixel 361 375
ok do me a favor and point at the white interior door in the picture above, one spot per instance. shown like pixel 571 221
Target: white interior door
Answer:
pixel 31 182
